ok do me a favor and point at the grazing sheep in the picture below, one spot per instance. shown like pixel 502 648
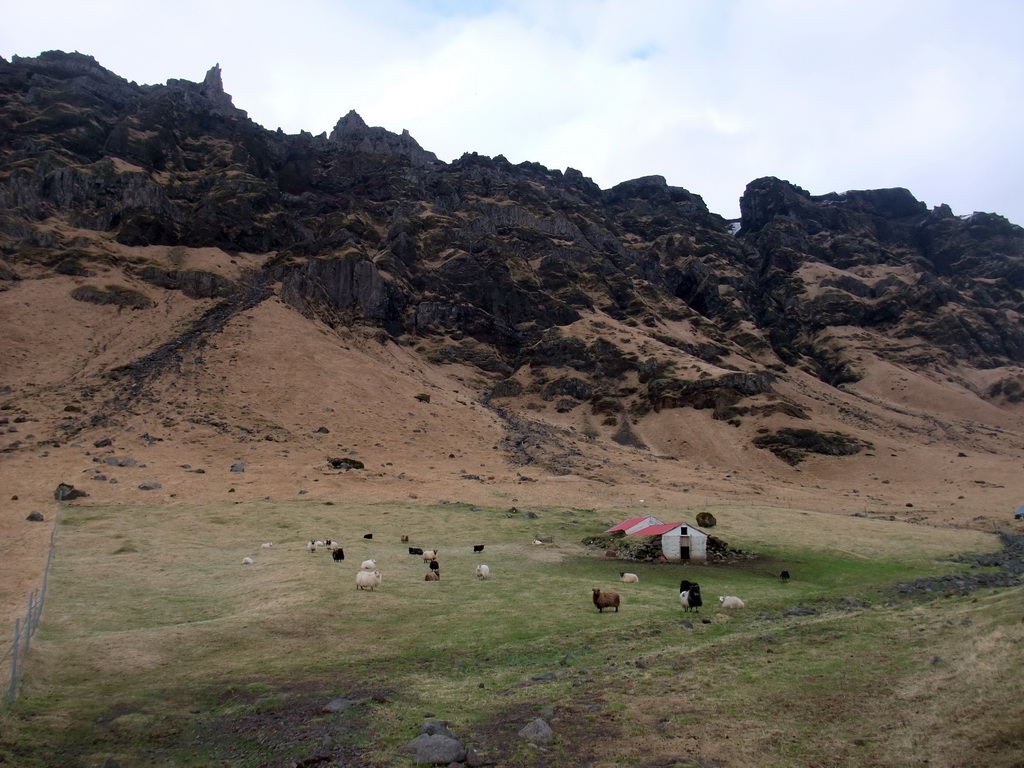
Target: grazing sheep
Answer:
pixel 368 580
pixel 338 554
pixel 628 578
pixel 606 600
pixel 329 543
pixel 478 547
pixel 434 565
pixel 415 551
pixel 405 539
pixel 785 575
pixel 483 571
pixel 311 546
pixel 268 545
pixel 689 596
pixel 432 576
pixel 247 561
pixel 369 565
pixel 731 601
pixel 319 543
pixel 367 535
pixel 537 542
pixel 430 554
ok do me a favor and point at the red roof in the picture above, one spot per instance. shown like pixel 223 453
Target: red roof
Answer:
pixel 627 524
pixel 656 530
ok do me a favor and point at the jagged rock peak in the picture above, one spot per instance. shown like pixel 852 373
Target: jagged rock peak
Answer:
pixel 768 197
pixel 350 125
pixel 353 132
pixel 213 83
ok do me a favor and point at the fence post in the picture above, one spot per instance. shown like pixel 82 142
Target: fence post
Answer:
pixel 14 662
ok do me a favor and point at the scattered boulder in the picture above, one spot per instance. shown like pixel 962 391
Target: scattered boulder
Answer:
pixel 238 466
pixel 66 492
pixel 538 731
pixel 35 517
pixel 149 486
pixel 344 463
pixel 706 520
pixel 436 745
pixel 103 442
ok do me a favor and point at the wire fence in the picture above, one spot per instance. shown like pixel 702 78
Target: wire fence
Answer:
pixel 24 629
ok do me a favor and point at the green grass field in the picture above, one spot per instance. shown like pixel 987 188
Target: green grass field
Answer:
pixel 159 648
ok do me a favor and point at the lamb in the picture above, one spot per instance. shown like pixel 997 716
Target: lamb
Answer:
pixel 247 561
pixel 368 580
pixel 429 554
pixel 689 596
pixel 606 600
pixel 405 539
pixel 478 547
pixel 338 554
pixel 483 571
pixel 731 601
pixel 628 578
pixel 369 565
pixel 432 576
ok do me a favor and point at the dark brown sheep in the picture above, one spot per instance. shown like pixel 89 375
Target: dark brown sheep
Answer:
pixel 606 600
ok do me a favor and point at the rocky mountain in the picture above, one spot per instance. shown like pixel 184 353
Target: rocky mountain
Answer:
pixel 581 319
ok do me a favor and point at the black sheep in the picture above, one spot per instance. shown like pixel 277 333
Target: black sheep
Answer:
pixel 415 551
pixel 434 566
pixel 689 596
pixel 478 547
pixel 338 554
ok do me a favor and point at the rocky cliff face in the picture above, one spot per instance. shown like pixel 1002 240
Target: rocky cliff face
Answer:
pixel 498 266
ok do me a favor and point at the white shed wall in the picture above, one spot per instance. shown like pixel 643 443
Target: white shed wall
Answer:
pixel 673 543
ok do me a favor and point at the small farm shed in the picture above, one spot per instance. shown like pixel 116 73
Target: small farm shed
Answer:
pixel 679 542
pixel 634 525
pixel 682 542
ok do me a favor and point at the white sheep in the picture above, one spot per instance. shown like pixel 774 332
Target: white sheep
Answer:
pixel 247 561
pixel 311 546
pixel 368 580
pixel 628 578
pixel 483 571
pixel 731 601
pixel 268 545
pixel 429 554
pixel 369 565
pixel 319 543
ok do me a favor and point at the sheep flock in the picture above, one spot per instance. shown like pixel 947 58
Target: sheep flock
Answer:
pixel 369 577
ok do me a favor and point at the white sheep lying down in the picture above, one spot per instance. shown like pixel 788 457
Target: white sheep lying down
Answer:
pixel 369 565
pixel 628 578
pixel 731 601
pixel 368 580
pixel 483 571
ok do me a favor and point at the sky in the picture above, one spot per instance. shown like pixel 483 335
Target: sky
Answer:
pixel 831 95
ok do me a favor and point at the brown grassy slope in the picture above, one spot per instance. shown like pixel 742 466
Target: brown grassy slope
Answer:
pixel 259 391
